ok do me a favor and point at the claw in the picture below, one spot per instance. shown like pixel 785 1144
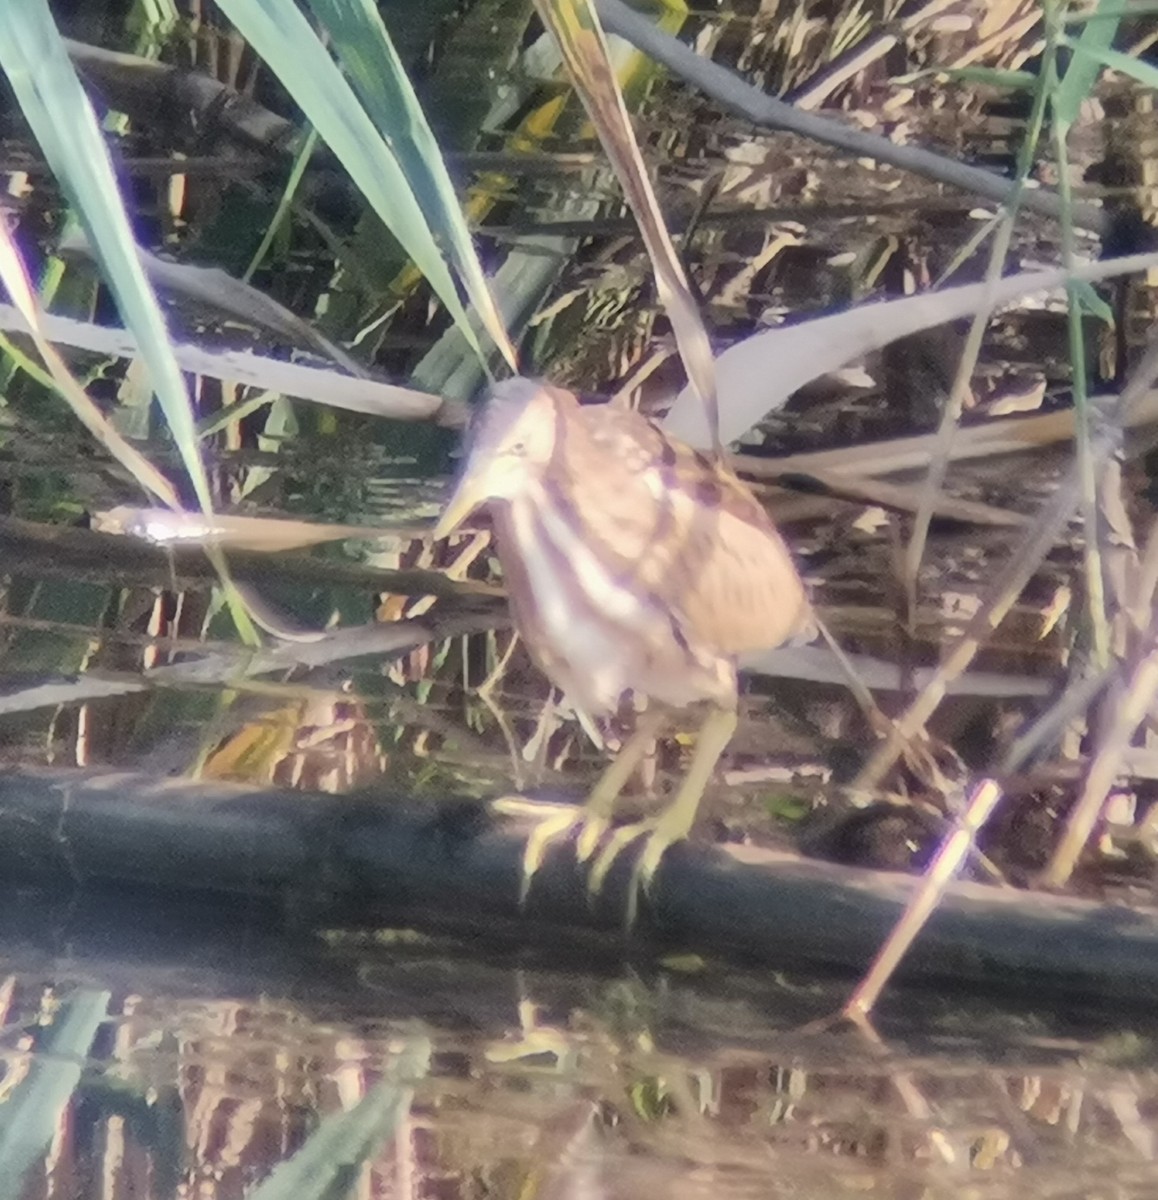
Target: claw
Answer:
pixel 554 823
pixel 616 844
pixel 658 836
pixel 545 834
pixel 591 834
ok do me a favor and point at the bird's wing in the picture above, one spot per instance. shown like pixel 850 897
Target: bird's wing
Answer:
pixel 671 524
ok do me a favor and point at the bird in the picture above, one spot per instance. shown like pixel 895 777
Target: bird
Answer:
pixel 636 567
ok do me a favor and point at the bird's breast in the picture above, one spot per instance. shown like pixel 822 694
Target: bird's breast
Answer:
pixel 591 631
pixel 564 608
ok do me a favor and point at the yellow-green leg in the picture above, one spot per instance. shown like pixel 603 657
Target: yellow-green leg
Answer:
pixel 594 818
pixel 676 820
pixel 596 814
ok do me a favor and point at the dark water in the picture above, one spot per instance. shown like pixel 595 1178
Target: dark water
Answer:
pixel 228 1042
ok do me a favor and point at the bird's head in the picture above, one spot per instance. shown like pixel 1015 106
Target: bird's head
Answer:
pixel 511 441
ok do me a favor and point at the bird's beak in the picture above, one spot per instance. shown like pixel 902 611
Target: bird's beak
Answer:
pixel 466 497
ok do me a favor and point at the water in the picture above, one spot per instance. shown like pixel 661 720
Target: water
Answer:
pixel 229 1040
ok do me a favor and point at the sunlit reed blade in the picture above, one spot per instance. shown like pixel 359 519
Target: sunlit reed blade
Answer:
pixel 757 375
pixel 49 94
pixel 1086 63
pixel 36 62
pixel 20 289
pixel 321 385
pixel 285 40
pixel 584 48
pixel 366 52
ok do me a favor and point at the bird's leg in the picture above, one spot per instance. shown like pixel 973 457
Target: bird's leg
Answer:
pixel 594 817
pixel 597 811
pixel 676 820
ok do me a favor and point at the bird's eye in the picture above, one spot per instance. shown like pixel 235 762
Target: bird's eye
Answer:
pixel 518 449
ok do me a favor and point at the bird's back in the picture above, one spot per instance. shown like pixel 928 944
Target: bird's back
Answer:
pixel 669 523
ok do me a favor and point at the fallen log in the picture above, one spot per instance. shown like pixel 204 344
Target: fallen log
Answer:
pixel 375 859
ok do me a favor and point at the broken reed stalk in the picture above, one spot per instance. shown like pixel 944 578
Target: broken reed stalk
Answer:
pixel 935 879
pixel 1130 712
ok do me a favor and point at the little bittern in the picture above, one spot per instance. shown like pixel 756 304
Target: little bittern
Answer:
pixel 634 564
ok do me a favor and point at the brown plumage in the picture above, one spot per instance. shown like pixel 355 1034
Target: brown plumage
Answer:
pixel 633 563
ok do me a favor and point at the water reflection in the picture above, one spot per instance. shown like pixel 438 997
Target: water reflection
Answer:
pixel 230 1045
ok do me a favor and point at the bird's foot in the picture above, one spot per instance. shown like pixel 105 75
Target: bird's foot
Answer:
pixel 554 823
pixel 658 833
